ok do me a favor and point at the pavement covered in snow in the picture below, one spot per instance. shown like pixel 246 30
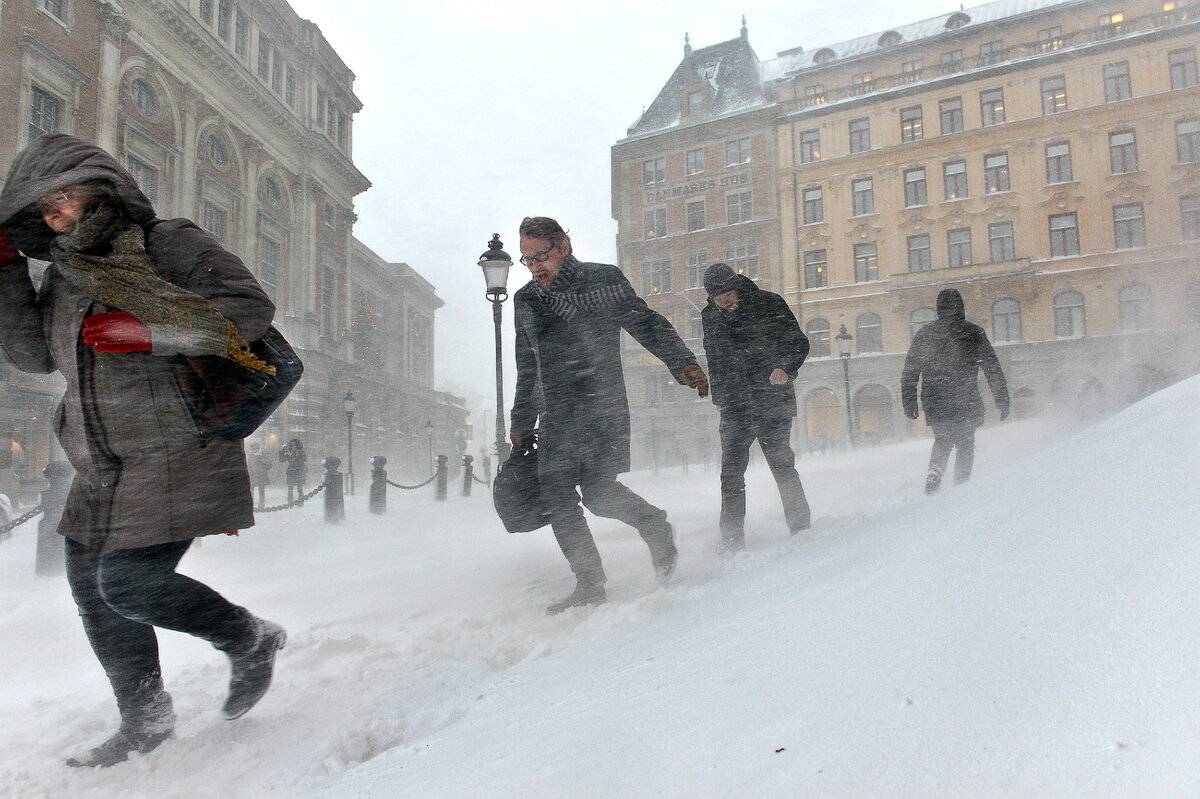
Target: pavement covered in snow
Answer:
pixel 1033 633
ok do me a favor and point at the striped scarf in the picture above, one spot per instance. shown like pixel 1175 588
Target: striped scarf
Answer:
pixel 566 304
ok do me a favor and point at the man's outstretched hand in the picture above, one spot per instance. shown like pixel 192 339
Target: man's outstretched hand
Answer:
pixel 693 376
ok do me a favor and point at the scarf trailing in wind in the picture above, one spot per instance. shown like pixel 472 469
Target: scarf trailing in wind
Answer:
pixel 124 278
pixel 566 303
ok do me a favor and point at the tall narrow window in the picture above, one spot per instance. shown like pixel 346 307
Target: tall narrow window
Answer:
pixel 654 171
pixel 1054 95
pixel 655 223
pixel 1182 65
pixel 1050 39
pixel 206 11
pixel 1058 163
pixel 952 115
pixel 739 207
pixel 954 178
pixel 814 206
pixel 264 56
pixel 816 275
pixel 241 33
pixel 1001 244
pixel 656 276
pixel 1189 217
pixel 810 146
pixel 995 172
pixel 276 72
pixel 919 318
pixel 697 262
pixel 224 18
pixel 1116 82
pixel 45 113
pixel 695 215
pixel 1068 315
pixel 695 103
pixel 695 162
pixel 145 175
pixel 1129 226
pixel 737 152
pixel 911 126
pixel 991 107
pixel 817 331
pixel 952 62
pixel 866 262
pixel 57 8
pixel 1133 308
pixel 270 256
pixel 1064 235
pixel 863 196
pixel 327 300
pixel 1187 140
pixel 914 187
pixel 1006 321
pixel 1122 152
pixel 212 219
pixel 958 244
pixel 860 135
pixel 991 53
pixel 919 259
pixel 910 71
pixel 743 259
pixel 868 330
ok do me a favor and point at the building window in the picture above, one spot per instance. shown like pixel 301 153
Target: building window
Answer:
pixel 1068 315
pixel 862 80
pixel 737 152
pixel 739 207
pixel 224 19
pixel 810 146
pixel 327 300
pixel 814 206
pixel 860 135
pixel 814 94
pixel 146 177
pixel 1006 322
pixel 919 318
pixel 1058 163
pixel 697 262
pixel 56 8
pixel 695 162
pixel 270 256
pixel 991 107
pixel 289 87
pixel 264 56
pixel 144 98
pixel 654 171
pixel 991 53
pixel 816 275
pixel 695 215
pixel 1116 82
pixel 1133 306
pixel 911 126
pixel 919 259
pixel 1050 39
pixel 328 214
pixel 866 262
pixel 1064 235
pixel 695 103
pixel 1054 95
pixel 952 62
pixel 817 331
pixel 206 11
pixel 954 179
pixel 995 172
pixel 212 219
pixel 1122 152
pixel 655 223
pixel 1187 140
pixel 696 326
pixel 952 115
pixel 241 33
pixel 914 187
pixel 217 153
pixel 743 260
pixel 1189 214
pixel 656 277
pixel 958 246
pixel 1183 68
pixel 863 196
pixel 910 71
pixel 45 113
pixel 1001 244
pixel 1129 226
pixel 869 333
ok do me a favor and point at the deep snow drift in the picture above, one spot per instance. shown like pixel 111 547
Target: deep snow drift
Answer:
pixel 1034 633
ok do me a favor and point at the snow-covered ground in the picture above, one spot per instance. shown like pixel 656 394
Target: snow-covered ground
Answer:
pixel 1034 633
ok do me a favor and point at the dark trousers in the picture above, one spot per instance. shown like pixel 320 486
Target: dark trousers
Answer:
pixel 948 436
pixel 603 496
pixel 738 431
pixel 299 488
pixel 124 595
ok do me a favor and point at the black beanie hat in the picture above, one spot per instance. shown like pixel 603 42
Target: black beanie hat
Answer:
pixel 720 278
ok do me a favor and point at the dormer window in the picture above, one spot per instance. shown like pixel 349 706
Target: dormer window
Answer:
pixel 695 103
pixel 889 39
pixel 824 56
pixel 957 20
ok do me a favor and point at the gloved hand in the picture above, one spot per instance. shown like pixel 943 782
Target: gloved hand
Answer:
pixel 516 437
pixel 116 332
pixel 912 412
pixel 1003 411
pixel 9 253
pixel 693 376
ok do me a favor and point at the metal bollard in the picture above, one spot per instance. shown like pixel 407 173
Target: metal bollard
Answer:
pixel 335 503
pixel 440 482
pixel 50 558
pixel 468 470
pixel 377 502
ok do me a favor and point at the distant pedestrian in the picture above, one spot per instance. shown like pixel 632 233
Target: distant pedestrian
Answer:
pixel 126 300
pixel 292 453
pixel 945 357
pixel 755 348
pixel 260 465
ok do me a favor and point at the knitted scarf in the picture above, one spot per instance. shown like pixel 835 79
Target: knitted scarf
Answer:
pixel 124 278
pixel 566 303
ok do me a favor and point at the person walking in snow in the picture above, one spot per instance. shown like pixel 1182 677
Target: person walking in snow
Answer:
pixel 124 298
pixel 945 358
pixel 755 348
pixel 259 465
pixel 569 319
pixel 292 453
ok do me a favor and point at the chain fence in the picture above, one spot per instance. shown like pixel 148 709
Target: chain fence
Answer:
pixel 17 522
pixel 412 488
pixel 297 503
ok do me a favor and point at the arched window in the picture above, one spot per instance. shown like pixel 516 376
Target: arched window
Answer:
pixel 1006 321
pixel 869 332
pixel 817 331
pixel 919 318
pixel 824 56
pixel 889 39
pixel 1069 321
pixel 957 20
pixel 1133 304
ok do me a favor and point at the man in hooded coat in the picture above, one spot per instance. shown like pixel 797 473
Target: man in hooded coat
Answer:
pixel 755 348
pixel 569 319
pixel 945 357
pixel 125 298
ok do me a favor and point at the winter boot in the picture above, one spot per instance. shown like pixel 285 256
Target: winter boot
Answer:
pixel 584 594
pixel 252 670
pixel 932 483
pixel 141 732
pixel 663 553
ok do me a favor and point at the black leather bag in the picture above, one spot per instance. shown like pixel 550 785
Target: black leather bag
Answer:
pixel 230 401
pixel 516 492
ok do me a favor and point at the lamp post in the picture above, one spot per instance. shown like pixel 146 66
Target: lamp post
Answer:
pixel 495 264
pixel 429 438
pixel 348 405
pixel 843 339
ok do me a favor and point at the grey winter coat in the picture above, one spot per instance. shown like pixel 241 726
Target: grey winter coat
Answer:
pixel 144 473
pixel 569 373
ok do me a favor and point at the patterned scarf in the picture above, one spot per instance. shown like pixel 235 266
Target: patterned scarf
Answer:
pixel 125 279
pixel 566 303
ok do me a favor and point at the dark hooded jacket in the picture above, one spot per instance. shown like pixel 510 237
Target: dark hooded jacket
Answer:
pixel 145 474
pixel 569 372
pixel 743 347
pixel 946 356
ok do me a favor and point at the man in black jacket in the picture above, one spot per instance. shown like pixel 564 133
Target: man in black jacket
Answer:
pixel 568 346
pixel 946 356
pixel 755 348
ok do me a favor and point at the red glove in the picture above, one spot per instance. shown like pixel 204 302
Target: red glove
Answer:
pixel 116 332
pixel 8 251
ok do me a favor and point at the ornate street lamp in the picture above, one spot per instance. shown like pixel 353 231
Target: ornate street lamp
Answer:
pixel 429 437
pixel 843 339
pixel 348 405
pixel 495 264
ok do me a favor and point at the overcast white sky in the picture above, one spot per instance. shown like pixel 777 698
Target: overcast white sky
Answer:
pixel 478 114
